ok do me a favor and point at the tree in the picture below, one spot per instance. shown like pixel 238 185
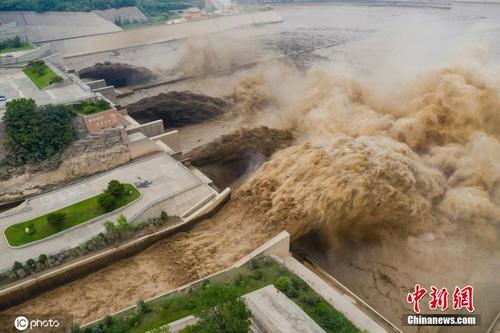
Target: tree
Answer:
pixel 17 266
pixel 222 311
pixel 56 219
pixel 17 41
pixel 107 202
pixel 34 133
pixel 111 230
pixel 116 189
pixel 123 225
pixel 42 258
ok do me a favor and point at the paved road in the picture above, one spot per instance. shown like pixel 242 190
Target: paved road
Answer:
pixel 158 177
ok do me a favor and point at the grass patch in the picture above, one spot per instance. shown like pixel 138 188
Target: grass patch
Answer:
pixel 41 75
pixel 260 273
pixel 23 47
pixel 86 108
pixel 76 214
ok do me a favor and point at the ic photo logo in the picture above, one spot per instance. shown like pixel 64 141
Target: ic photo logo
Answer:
pixel 22 323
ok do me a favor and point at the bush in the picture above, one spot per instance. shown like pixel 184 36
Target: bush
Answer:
pixel 133 320
pixel 42 258
pixel 142 307
pixel 56 219
pixel 102 104
pixel 257 275
pixel 178 302
pixel 284 284
pixel 116 189
pixel 254 264
pixel 310 300
pixel 299 284
pixel 31 263
pixel 164 216
pixel 239 281
pixel 107 202
pixel 108 321
pixel 17 266
pixel 221 310
pixel 55 79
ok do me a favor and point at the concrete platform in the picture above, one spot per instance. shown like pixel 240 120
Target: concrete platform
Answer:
pixel 273 312
pixel 15 84
pixel 159 178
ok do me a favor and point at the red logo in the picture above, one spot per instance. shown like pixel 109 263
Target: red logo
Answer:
pixel 415 297
pixel 462 298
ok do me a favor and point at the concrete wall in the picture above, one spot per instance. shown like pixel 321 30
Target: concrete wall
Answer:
pixel 96 84
pixel 159 34
pixel 150 129
pixel 139 145
pixel 108 92
pixel 34 54
pixel 171 139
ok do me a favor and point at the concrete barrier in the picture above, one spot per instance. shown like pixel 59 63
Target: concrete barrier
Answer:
pixel 159 34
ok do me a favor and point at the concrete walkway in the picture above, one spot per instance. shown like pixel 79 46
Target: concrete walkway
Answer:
pixel 157 178
pixel 273 312
pixel 339 301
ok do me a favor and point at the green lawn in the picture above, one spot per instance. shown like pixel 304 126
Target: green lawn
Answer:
pixel 41 75
pixel 15 49
pixel 86 108
pixel 75 214
pixel 175 306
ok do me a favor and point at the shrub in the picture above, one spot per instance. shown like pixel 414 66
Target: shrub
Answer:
pixel 284 284
pixel 142 307
pixel 254 264
pixel 31 263
pixel 310 300
pixel 177 302
pixel 108 321
pixel 17 266
pixel 116 189
pixel 299 284
pixel 256 274
pixel 221 310
pixel 133 320
pixel 164 216
pixel 268 261
pixel 42 258
pixel 107 202
pixel 239 280
pixel 123 225
pixel 56 219
pixel 102 104
pixel 55 79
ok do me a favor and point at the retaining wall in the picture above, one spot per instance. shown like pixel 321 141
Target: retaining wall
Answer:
pixel 150 129
pixel 159 34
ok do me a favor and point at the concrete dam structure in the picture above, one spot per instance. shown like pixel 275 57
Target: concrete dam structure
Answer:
pixel 159 34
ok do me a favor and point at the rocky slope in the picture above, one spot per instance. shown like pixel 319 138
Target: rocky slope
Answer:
pixel 86 156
